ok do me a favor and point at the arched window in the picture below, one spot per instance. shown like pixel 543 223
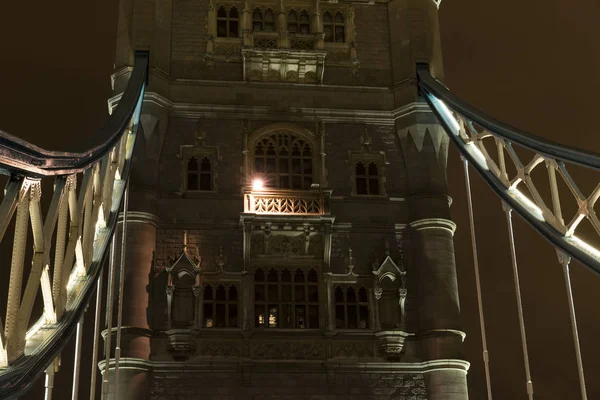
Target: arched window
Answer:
pixel 334 27
pixel 286 300
pixel 367 178
pixel 284 161
pixel 263 22
pixel 299 23
pixel 220 306
pixel 199 177
pixel 227 22
pixel 351 308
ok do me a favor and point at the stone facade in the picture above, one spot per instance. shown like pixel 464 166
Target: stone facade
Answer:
pixel 337 278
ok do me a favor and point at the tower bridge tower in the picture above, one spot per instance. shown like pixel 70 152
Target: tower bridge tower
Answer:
pixel 289 234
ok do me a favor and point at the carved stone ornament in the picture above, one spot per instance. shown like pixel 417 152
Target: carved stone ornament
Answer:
pixel 181 345
pixel 286 245
pixel 169 290
pixel 220 349
pixel 406 386
pixel 378 292
pixel 209 60
pixel 353 350
pixel 257 244
pixel 197 290
pixel 265 62
pixel 288 350
pixel 391 343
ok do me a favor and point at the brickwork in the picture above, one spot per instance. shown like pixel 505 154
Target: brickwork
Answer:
pixel 373 44
pixel 189 33
pixel 288 386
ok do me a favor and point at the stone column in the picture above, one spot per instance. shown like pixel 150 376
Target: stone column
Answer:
pixel 142 222
pixel 439 336
pixel 134 365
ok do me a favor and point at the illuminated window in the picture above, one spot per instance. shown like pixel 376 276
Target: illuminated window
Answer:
pixel 263 21
pixel 286 300
pixel 220 306
pixel 367 178
pixel 227 22
pixel 284 161
pixel 351 308
pixel 298 22
pixel 334 27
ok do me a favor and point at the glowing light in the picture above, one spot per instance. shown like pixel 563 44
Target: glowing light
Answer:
pixel 447 114
pixel 531 207
pixel 258 184
pixel 477 155
pixel 35 328
pixel 49 313
pixel 586 247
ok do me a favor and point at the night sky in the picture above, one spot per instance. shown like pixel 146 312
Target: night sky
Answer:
pixel 533 64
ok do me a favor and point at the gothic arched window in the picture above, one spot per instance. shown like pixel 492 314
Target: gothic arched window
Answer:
pixel 284 161
pixel 227 22
pixel 298 22
pixel 220 306
pixel 367 178
pixel 285 299
pixel 263 21
pixel 334 27
pixel 351 308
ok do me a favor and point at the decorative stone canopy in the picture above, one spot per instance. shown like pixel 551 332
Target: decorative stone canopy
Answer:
pixel 283 65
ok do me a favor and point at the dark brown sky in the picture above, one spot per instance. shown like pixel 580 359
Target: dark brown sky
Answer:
pixel 533 64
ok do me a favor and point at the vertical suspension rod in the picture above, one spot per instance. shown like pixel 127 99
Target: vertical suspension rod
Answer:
pixel 565 261
pixel 513 254
pixel 49 383
pixel 109 313
pixel 77 362
pixel 96 338
pixel 121 285
pixel 486 358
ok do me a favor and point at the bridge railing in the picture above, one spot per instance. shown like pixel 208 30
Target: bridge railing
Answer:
pixel 509 161
pixel 70 243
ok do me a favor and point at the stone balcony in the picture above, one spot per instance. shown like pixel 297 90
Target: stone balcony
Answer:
pixel 313 202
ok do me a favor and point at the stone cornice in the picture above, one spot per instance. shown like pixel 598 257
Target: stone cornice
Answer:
pixel 433 223
pixel 138 217
pixel 327 115
pixel 216 365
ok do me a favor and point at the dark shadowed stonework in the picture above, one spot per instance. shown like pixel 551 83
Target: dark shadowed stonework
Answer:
pixel 336 279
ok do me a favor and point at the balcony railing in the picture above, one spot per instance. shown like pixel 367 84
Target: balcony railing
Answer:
pixel 287 202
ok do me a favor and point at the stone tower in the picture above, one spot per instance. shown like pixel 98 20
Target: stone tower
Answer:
pixel 289 231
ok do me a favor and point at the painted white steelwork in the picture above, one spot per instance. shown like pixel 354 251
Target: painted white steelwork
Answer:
pixel 85 203
pixel 470 130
